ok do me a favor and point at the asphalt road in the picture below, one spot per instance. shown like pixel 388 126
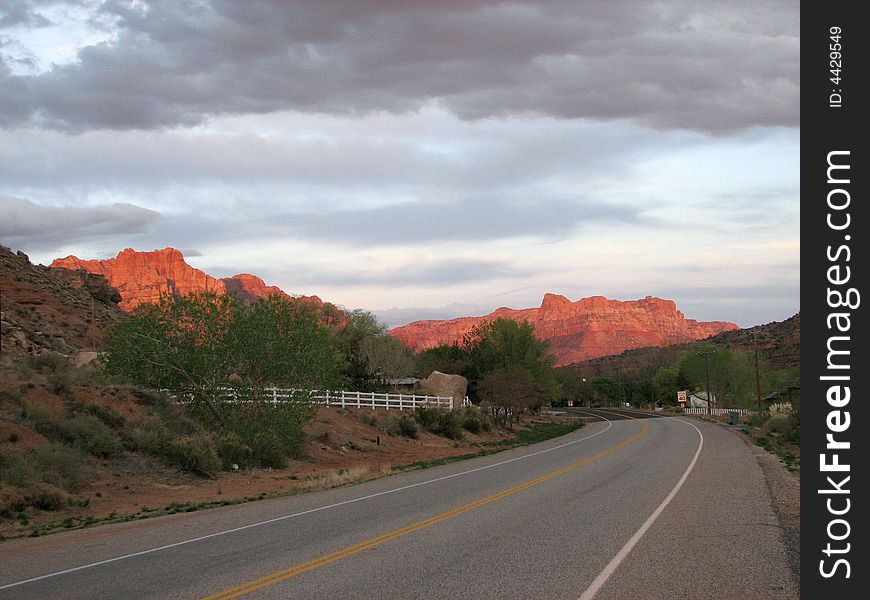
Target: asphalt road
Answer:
pixel 623 509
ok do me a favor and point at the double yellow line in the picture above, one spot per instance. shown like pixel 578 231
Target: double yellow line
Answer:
pixel 322 561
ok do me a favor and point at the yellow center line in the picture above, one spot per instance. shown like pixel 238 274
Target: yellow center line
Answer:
pixel 321 561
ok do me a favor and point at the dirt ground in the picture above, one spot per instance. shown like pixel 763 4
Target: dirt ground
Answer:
pixel 341 449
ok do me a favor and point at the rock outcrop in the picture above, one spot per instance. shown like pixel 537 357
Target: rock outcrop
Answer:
pixel 577 331
pixel 143 277
pixel 43 309
pixel 444 384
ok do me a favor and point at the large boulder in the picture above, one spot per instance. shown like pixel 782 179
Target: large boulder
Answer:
pixel 445 384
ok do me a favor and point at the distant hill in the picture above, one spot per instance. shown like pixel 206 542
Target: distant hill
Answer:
pixel 581 330
pixel 778 344
pixel 46 309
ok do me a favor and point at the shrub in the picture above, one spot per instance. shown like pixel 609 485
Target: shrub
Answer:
pixel 61 383
pixel 780 424
pixel 450 426
pixel 105 414
pixel 60 465
pixel 55 464
pixel 268 451
pixel 48 362
pixel 428 418
pixel 11 501
pixel 18 473
pixel 93 436
pixel 474 420
pixel 408 426
pixel 369 419
pixel 46 497
pixel 194 454
pixel 233 451
pixel 147 434
pixel 440 422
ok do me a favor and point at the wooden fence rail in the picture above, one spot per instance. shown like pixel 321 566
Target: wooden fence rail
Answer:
pixel 718 411
pixel 346 399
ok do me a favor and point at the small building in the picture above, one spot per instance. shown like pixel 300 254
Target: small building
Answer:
pixel 403 383
pixel 698 400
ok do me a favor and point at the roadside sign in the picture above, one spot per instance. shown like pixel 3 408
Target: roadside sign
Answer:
pixel 682 398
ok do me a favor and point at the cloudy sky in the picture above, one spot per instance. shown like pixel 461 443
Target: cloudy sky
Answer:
pixel 437 158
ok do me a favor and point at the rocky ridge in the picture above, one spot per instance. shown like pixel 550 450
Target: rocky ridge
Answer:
pixel 578 331
pixel 143 277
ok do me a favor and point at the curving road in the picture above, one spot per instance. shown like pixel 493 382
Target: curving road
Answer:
pixel 628 507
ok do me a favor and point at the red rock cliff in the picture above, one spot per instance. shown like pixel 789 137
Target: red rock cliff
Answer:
pixel 587 328
pixel 142 277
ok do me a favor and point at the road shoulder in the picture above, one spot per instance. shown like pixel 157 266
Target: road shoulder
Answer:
pixel 784 488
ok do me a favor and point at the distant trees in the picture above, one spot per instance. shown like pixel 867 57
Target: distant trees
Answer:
pixel 654 376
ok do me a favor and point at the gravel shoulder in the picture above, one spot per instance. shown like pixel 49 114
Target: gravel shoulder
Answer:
pixel 784 488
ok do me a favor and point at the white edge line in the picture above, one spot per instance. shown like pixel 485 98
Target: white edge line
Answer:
pixel 632 542
pixel 299 514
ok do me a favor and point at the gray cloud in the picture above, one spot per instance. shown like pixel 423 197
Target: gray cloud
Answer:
pixel 446 272
pixel 745 305
pixel 418 222
pixel 712 68
pixel 20 12
pixel 26 223
pixel 394 317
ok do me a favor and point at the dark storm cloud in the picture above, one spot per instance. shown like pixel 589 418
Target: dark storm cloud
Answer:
pixel 26 223
pixel 712 68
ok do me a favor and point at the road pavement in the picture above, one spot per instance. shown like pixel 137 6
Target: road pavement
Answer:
pixel 624 508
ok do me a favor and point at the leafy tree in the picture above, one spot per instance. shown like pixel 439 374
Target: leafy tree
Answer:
pixel 386 357
pixel 359 326
pixel 667 382
pixel 731 375
pixel 505 343
pixel 177 343
pixel 607 391
pixel 274 344
pixel 447 358
pixel 508 392
pixel 206 343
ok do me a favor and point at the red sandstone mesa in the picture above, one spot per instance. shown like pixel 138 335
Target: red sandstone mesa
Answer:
pixel 587 328
pixel 142 277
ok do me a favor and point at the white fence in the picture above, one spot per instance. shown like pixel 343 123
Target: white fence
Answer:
pixel 343 399
pixel 377 400
pixel 719 412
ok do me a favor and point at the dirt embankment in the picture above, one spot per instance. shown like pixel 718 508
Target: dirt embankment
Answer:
pixel 121 483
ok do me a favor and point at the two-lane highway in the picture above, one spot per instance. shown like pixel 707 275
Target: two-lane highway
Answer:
pixel 628 508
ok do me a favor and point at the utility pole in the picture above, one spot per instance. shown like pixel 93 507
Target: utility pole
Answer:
pixel 706 355
pixel 757 374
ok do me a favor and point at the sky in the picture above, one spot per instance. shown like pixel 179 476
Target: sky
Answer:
pixel 417 159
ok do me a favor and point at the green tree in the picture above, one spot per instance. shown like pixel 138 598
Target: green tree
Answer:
pixel 177 343
pixel 508 392
pixel 274 344
pixel 359 325
pixel 447 358
pixel 205 343
pixel 387 357
pixel 505 343
pixel 608 391
pixel 729 374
